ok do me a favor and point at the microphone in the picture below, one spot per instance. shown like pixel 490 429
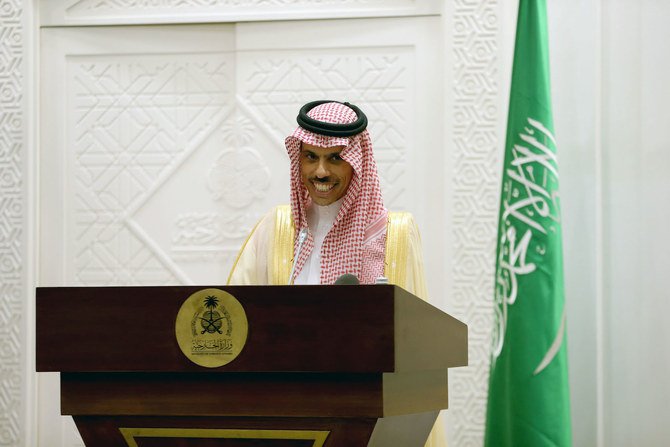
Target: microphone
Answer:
pixel 302 237
pixel 347 280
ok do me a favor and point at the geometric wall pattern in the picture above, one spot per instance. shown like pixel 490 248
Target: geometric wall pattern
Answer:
pixel 12 223
pixel 475 186
pixel 134 120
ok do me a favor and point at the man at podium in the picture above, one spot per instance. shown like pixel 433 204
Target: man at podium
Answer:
pixel 336 223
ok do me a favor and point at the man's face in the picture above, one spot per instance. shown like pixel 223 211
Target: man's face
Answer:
pixel 325 175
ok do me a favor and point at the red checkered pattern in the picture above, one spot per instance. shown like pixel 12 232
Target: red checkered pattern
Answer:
pixel 356 242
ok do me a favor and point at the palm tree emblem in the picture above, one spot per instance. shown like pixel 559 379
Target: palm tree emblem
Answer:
pixel 212 321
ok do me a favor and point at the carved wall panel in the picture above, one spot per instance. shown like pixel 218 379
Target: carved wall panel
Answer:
pixel 138 123
pixel 475 184
pixel 88 12
pixel 13 221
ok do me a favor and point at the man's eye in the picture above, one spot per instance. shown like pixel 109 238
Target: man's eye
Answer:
pixel 310 156
pixel 336 157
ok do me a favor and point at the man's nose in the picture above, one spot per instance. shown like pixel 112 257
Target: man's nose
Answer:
pixel 322 169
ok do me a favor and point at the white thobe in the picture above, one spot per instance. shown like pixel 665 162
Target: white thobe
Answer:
pixel 320 220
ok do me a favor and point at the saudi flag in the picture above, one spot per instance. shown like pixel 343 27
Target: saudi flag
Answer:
pixel 529 399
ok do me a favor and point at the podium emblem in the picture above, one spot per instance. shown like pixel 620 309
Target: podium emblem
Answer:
pixel 211 328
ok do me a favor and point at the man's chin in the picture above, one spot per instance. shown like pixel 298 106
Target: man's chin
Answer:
pixel 321 200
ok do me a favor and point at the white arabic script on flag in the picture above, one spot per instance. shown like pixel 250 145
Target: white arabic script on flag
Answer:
pixel 530 207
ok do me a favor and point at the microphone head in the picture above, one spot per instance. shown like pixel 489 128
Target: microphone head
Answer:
pixel 347 280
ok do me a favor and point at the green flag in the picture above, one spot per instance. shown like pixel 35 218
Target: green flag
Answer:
pixel 529 398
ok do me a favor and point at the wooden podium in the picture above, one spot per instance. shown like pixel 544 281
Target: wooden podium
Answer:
pixel 323 366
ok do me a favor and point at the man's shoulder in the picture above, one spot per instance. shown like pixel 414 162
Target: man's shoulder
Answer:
pixel 280 218
pixel 400 218
pixel 401 227
pixel 282 215
pixel 277 211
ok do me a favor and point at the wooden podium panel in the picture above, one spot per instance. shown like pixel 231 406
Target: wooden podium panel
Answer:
pixel 366 328
pixel 322 366
pixel 231 432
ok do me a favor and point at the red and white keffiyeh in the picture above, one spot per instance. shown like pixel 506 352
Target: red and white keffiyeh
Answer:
pixel 356 242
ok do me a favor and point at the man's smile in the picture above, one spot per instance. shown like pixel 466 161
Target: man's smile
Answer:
pixel 323 187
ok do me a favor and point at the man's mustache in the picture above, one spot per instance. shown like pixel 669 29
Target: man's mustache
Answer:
pixel 322 179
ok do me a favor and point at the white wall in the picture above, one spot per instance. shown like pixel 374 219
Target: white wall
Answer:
pixel 610 67
pixel 636 211
pixel 610 71
pixel 573 38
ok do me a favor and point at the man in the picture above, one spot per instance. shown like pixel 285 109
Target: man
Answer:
pixel 336 223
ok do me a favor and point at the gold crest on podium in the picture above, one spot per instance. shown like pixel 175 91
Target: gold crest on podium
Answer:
pixel 211 328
